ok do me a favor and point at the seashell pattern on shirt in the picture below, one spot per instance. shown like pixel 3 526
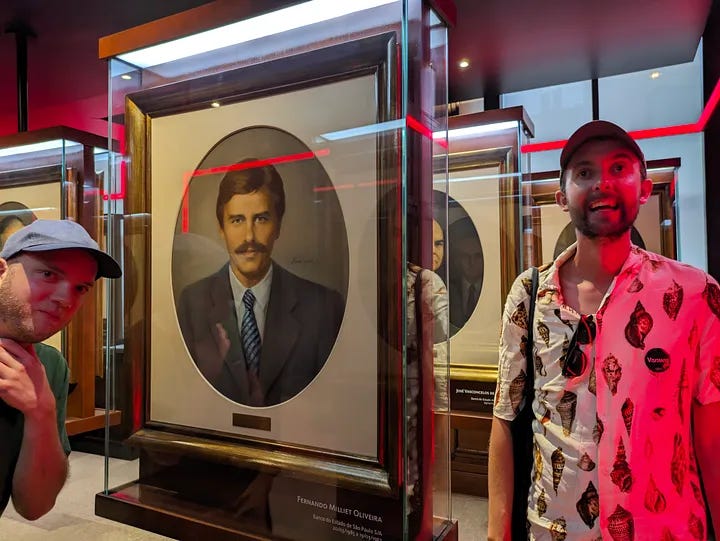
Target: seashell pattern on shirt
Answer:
pixel 612 372
pixel 715 372
pixel 667 535
pixel 538 462
pixel 711 294
pixel 638 327
pixel 558 464
pixel 621 525
pixel 682 389
pixel 558 529
pixel 567 409
pixel 539 367
pixel 698 494
pixel 520 316
pixel 621 475
pixel 678 464
pixel 517 390
pixel 544 333
pixel 541 505
pixel 588 506
pixel 672 300
pixel 586 463
pixel 696 527
pixel 654 499
pixel 635 286
pixel 598 430
pixel 592 380
pixel 628 410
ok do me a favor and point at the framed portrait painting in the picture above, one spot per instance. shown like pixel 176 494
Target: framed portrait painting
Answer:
pixel 283 175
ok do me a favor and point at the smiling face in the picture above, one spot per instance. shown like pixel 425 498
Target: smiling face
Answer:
pixel 41 291
pixel 250 228
pixel 604 189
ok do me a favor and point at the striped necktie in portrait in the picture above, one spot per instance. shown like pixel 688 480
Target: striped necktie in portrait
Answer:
pixel 250 335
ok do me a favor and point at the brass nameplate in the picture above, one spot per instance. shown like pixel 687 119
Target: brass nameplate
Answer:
pixel 251 421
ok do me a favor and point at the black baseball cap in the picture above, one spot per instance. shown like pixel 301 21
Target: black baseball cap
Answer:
pixel 47 235
pixel 598 129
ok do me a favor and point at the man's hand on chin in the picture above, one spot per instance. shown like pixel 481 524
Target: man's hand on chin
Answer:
pixel 23 383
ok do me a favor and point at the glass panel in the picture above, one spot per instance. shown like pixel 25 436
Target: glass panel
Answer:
pixel 279 167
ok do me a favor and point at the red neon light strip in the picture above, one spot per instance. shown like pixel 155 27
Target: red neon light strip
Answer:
pixel 185 207
pixel 666 131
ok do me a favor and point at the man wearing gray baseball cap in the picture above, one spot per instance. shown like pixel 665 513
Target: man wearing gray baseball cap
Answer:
pixel 46 271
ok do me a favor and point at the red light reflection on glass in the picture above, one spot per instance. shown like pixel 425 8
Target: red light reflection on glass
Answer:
pixel 185 210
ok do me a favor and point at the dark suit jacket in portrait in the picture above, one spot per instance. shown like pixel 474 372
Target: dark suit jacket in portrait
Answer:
pixel 301 324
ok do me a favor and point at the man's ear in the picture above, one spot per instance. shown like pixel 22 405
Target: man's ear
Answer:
pixel 646 188
pixel 561 200
pixel 4 266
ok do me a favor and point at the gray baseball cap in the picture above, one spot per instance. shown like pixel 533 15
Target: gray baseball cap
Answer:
pixel 599 129
pixel 47 235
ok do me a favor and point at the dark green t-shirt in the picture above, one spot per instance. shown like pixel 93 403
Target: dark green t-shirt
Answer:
pixel 11 420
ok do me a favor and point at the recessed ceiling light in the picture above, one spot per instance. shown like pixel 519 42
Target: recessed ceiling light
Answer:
pixel 126 76
pixel 215 104
pixel 464 63
pixel 655 75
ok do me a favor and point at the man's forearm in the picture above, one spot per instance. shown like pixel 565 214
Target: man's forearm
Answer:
pixel 41 468
pixel 500 481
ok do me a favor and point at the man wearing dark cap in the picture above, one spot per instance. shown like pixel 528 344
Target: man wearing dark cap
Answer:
pixel 626 357
pixel 46 270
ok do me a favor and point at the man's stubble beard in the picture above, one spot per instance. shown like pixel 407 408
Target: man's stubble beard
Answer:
pixel 16 316
pixel 579 218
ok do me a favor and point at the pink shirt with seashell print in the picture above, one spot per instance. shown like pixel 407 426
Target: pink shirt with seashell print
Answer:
pixel 613 446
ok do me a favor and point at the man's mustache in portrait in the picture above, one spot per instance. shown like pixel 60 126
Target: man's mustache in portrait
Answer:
pixel 250 246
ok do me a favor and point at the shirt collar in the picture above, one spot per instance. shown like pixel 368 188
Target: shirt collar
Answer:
pixel 550 284
pixel 261 290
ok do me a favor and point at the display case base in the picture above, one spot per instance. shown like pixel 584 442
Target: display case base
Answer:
pixel 80 425
pixel 94 443
pixel 469 465
pixel 163 512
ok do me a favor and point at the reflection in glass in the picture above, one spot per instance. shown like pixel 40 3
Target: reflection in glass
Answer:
pixel 466 270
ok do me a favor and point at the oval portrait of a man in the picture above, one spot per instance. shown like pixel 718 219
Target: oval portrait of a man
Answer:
pixel 466 267
pixel 260 266
pixel 13 217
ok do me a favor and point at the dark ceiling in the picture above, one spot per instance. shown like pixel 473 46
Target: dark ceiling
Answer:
pixel 511 45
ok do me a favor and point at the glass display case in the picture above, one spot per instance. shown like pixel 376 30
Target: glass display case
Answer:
pixel 281 327
pixel 57 173
pixel 482 205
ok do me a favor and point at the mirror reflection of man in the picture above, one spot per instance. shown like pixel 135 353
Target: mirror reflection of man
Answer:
pixel 258 333
pixel 438 246
pixel 467 269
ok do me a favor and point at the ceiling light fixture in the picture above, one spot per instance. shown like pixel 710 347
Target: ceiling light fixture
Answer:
pixel 464 63
pixel 655 75
pixel 276 22
pixel 126 76
pixel 215 104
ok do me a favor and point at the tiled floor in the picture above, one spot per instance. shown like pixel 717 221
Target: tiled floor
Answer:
pixel 73 518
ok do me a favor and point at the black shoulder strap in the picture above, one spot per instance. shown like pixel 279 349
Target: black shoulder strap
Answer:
pixel 529 354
